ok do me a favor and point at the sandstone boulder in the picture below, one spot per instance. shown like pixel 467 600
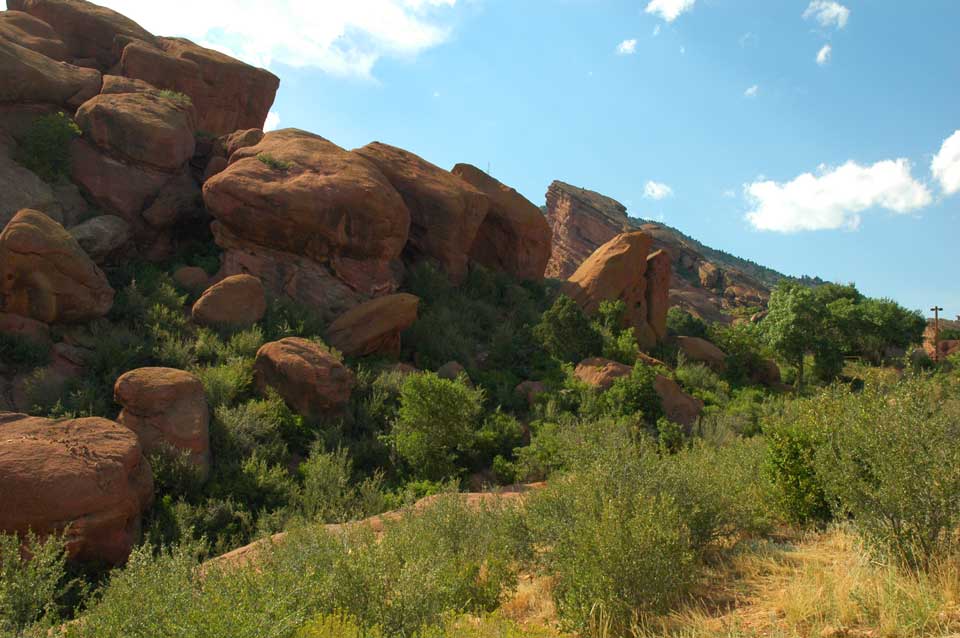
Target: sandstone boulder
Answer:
pixel 445 211
pixel 240 139
pixel 23 189
pixel 88 31
pixel 24 328
pixel 710 276
pixel 236 301
pixel 163 406
pixel 600 373
pixel 617 270
pixel 120 84
pixel 310 379
pixel 530 390
pixel 299 211
pixel 85 476
pixel 115 186
pixel 215 166
pixel 102 236
pixel 192 279
pixel 30 77
pixel 451 371
pixel 228 94
pixel 767 373
pixel 514 237
pixel 374 327
pixel 678 406
pixel 702 351
pixel 142 128
pixel 659 274
pixel 46 275
pixel 29 32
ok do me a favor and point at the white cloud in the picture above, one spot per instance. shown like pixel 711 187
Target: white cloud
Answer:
pixel 824 54
pixel 273 121
pixel 342 38
pixel 729 193
pixel 828 13
pixel 656 30
pixel 656 190
pixel 834 198
pixel 670 10
pixel 946 164
pixel 752 91
pixel 627 47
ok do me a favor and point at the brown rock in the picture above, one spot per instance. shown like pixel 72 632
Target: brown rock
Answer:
pixel 215 166
pixel 374 326
pixel 240 139
pixel 88 31
pixel 24 327
pixel 45 275
pixel 31 33
pixel 767 373
pixel 102 236
pixel 22 189
pixel 238 300
pixel 678 406
pixel 142 128
pixel 119 84
pixel 192 279
pixel 317 203
pixel 601 373
pixel 115 186
pixel 659 273
pixel 33 77
pixel 310 379
pixel 179 199
pixel 451 371
pixel 445 211
pixel 86 477
pixel 514 237
pixel 702 351
pixel 164 406
pixel 710 275
pixel 228 94
pixel 530 390
pixel 617 270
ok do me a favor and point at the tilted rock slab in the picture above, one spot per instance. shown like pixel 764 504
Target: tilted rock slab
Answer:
pixel 374 327
pixel 310 379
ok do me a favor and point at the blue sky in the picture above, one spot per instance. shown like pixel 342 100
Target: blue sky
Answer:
pixel 725 118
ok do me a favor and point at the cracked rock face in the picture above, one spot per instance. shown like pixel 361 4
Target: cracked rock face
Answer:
pixel 46 275
pixel 85 478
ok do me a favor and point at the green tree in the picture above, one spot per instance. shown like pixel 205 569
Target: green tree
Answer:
pixel 791 327
pixel 567 333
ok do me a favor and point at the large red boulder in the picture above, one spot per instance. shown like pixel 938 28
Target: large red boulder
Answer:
pixel 46 275
pixel 311 380
pixel 166 407
pixel 600 373
pixel 29 32
pixel 702 351
pixel 32 77
pixel 678 406
pixel 514 237
pixel 374 327
pixel 304 214
pixel 229 95
pixel 659 274
pixel 237 301
pixel 86 478
pixel 445 211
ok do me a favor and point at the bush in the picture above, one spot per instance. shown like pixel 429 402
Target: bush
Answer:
pixel 632 396
pixel 273 162
pixel 225 384
pixel 566 332
pixel 29 588
pixel 23 353
pixel 45 150
pixel 329 495
pixel 681 323
pixel 436 424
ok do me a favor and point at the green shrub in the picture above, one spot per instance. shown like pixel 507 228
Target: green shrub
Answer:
pixel 273 162
pixel 618 344
pixel 632 396
pixel 181 99
pixel 329 494
pixel 681 323
pixel 436 424
pixel 23 353
pixel 225 384
pixel 45 150
pixel 566 332
pixel 29 588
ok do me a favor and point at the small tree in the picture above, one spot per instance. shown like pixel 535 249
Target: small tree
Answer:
pixel 567 333
pixel 791 327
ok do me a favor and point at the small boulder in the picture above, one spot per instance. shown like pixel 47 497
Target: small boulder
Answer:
pixel 767 373
pixel 24 328
pixel 600 373
pixel 451 371
pixel 102 236
pixel 702 351
pixel 530 390
pixel 236 301
pixel 240 139
pixel 374 327
pixel 46 275
pixel 215 166
pixel 85 477
pixel 192 279
pixel 310 379
pixel 166 406
pixel 120 84
pixel 678 406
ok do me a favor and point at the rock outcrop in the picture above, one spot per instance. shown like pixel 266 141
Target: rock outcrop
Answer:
pixel 236 301
pixel 313 221
pixel 445 211
pixel 31 77
pixel 658 275
pixel 84 477
pixel 678 406
pixel 598 372
pixel 702 351
pixel 311 380
pixel 29 32
pixel 102 236
pixel 46 275
pixel 374 327
pixel 164 406
pixel 514 237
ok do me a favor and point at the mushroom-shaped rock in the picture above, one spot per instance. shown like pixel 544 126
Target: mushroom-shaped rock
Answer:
pixel 659 274
pixel 702 351
pixel 164 406
pixel 32 33
pixel 236 301
pixel 311 380
pixel 86 477
pixel 295 206
pixel 601 373
pixel 31 77
pixel 102 236
pixel 374 327
pixel 143 128
pixel 88 31
pixel 229 95
pixel 445 211
pixel 514 237
pixel 678 406
pixel 617 270
pixel 46 275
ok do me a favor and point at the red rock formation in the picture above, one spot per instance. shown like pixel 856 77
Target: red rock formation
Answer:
pixel 310 379
pixel 374 327
pixel 445 211
pixel 237 301
pixel 702 351
pixel 29 32
pixel 166 406
pixel 514 237
pixel 678 406
pixel 31 77
pixel 598 372
pixel 85 476
pixel 659 273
